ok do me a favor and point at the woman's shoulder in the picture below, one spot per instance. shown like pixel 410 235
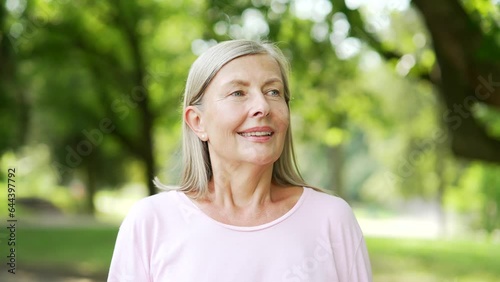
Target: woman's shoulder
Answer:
pixel 150 204
pixel 324 201
pixel 159 197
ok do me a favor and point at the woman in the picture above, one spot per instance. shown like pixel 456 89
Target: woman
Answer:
pixel 242 211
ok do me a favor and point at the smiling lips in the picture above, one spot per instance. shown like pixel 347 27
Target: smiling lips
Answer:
pixel 262 133
pixel 257 132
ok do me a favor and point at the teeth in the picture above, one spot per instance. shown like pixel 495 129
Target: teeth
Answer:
pixel 264 133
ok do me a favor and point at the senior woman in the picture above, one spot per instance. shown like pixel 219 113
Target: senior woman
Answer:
pixel 242 212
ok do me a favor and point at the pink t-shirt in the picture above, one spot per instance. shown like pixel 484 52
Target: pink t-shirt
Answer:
pixel 166 237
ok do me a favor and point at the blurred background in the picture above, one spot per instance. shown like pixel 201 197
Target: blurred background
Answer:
pixel 396 108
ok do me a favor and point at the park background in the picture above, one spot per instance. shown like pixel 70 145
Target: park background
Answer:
pixel 396 108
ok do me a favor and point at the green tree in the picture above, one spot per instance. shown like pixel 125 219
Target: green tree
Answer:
pixel 101 76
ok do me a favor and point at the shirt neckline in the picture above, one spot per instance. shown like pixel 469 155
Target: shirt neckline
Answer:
pixel 305 193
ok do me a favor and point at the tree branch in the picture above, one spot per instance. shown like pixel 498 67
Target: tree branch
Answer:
pixel 358 30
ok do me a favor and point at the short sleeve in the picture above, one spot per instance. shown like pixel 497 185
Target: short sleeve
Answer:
pixel 361 268
pixel 351 255
pixel 130 261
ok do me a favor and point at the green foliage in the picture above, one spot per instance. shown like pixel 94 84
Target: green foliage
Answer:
pixel 485 13
pixel 477 194
pixel 490 117
pixel 102 76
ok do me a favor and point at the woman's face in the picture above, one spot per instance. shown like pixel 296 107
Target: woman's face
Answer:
pixel 244 113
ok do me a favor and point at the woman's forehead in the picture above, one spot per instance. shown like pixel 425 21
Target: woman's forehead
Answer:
pixel 242 69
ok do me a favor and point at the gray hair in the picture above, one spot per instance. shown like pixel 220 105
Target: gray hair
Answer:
pixel 196 166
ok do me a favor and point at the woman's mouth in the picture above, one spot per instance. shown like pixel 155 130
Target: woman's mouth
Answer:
pixel 256 133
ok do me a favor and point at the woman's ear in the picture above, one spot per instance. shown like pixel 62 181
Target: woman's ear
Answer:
pixel 194 119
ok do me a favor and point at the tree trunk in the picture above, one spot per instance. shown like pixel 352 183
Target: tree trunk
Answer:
pixel 465 78
pixel 336 166
pixel 441 189
pixel 150 169
pixel 91 188
pixel 141 92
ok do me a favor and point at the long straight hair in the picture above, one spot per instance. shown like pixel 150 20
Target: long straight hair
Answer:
pixel 196 167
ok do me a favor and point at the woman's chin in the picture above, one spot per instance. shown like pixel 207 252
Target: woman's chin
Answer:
pixel 262 161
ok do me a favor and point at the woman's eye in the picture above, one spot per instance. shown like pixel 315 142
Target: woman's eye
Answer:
pixel 274 92
pixel 237 93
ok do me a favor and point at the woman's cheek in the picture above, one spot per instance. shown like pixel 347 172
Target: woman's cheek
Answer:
pixel 284 116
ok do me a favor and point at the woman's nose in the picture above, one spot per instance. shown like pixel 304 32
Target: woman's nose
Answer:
pixel 260 105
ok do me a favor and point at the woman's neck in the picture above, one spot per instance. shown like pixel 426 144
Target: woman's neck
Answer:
pixel 241 187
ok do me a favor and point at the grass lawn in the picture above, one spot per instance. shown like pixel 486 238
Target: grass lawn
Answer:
pixel 87 252
pixel 411 260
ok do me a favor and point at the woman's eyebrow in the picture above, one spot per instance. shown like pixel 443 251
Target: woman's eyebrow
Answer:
pixel 273 80
pixel 237 82
pixel 240 82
